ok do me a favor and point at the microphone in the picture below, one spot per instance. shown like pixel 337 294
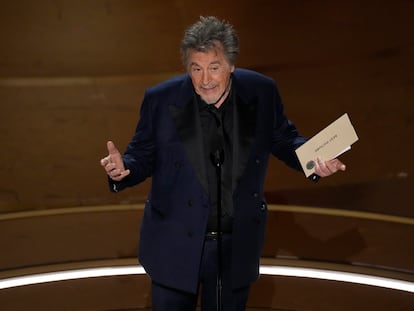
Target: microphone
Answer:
pixel 217 157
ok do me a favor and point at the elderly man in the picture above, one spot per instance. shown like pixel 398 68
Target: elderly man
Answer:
pixel 213 110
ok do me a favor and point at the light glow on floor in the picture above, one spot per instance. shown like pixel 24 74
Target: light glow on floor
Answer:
pixel 264 270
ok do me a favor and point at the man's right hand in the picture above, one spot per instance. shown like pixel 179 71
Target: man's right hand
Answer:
pixel 113 164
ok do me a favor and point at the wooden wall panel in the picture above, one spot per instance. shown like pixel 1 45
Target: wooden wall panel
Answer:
pixel 73 73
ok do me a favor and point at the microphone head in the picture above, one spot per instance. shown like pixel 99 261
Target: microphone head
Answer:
pixel 217 157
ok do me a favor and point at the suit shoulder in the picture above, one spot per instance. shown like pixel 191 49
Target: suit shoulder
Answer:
pixel 250 76
pixel 250 82
pixel 168 85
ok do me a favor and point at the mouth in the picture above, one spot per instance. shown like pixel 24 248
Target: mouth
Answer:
pixel 208 89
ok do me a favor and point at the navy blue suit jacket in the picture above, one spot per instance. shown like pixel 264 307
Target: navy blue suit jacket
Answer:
pixel 167 146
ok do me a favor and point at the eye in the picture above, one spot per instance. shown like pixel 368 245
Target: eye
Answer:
pixel 196 69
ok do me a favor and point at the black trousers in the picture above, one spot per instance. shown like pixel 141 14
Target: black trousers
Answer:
pixel 169 299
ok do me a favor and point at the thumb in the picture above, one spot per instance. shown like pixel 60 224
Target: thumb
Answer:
pixel 111 148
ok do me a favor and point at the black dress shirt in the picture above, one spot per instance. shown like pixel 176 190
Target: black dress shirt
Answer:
pixel 217 127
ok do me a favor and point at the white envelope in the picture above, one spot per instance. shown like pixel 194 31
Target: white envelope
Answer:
pixel 328 144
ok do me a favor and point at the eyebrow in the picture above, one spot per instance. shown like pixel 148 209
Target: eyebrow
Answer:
pixel 212 63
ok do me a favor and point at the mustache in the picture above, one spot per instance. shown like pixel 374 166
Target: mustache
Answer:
pixel 210 85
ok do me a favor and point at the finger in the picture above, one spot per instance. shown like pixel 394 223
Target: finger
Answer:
pixel 111 168
pixel 119 178
pixel 331 167
pixel 322 165
pixel 112 171
pixel 105 161
pixel 116 172
pixel 336 165
pixel 111 148
pixel 340 166
pixel 117 175
pixel 321 168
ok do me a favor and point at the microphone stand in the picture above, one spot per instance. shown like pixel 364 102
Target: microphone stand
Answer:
pixel 218 158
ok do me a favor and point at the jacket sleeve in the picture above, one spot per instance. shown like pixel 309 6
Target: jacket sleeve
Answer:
pixel 286 137
pixel 139 154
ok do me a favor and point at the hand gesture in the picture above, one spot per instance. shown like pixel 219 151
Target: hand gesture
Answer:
pixel 113 164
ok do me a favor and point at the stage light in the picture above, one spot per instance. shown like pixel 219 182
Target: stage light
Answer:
pixel 264 270
pixel 339 276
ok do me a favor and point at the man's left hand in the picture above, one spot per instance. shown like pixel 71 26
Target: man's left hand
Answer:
pixel 327 168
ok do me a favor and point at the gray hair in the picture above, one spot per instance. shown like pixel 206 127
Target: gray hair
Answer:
pixel 204 35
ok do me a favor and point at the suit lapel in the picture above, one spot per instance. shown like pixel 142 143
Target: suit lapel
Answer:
pixel 244 126
pixel 187 121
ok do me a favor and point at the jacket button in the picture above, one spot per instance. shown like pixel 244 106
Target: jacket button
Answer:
pixel 255 194
pixel 257 161
pixel 263 206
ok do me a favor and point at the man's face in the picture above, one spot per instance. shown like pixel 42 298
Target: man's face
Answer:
pixel 210 73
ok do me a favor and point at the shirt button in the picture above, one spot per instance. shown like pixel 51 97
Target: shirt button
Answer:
pixel 257 161
pixel 255 194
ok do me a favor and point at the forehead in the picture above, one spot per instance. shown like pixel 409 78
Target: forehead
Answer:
pixel 203 58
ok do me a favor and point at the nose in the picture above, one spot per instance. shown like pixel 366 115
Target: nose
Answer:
pixel 206 78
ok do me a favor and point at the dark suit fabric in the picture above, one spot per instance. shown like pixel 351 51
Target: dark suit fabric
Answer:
pixel 168 147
